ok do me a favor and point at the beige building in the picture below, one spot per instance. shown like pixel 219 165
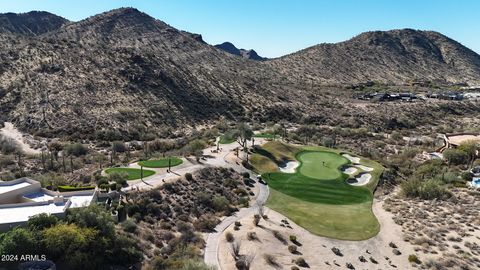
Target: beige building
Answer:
pixel 453 140
pixel 22 198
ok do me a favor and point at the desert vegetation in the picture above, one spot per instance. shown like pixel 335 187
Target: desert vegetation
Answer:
pixel 75 242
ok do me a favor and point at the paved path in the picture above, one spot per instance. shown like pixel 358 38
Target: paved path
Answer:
pixel 159 179
pixel 213 239
pixel 214 159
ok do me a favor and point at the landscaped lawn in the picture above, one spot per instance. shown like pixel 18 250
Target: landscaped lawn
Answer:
pixel 161 163
pixel 133 174
pixel 317 196
pixel 266 135
pixel 226 139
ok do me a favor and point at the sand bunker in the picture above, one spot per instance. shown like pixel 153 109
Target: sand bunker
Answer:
pixel 360 180
pixel 350 170
pixel 364 168
pixel 351 158
pixel 289 167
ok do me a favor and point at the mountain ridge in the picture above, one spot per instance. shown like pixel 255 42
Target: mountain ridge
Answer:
pixel 247 54
pixel 126 71
pixel 395 57
pixel 30 23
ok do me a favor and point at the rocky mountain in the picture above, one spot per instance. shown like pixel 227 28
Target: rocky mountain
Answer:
pixel 124 73
pixel 395 57
pixel 247 54
pixel 30 23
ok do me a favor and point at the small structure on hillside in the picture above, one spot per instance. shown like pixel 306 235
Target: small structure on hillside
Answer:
pixel 453 140
pixel 475 171
pixel 408 97
pixel 446 95
pixel 23 198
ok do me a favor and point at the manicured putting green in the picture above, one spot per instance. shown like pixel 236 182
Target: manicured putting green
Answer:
pixel 321 165
pixel 133 174
pixel 318 183
pixel 160 163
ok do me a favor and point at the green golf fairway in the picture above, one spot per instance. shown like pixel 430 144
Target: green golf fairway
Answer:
pixel 316 196
pixel 133 174
pixel 321 165
pixel 344 222
pixel 160 163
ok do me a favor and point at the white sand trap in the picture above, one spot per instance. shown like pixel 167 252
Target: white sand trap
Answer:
pixel 351 158
pixel 365 168
pixel 350 170
pixel 289 167
pixel 362 179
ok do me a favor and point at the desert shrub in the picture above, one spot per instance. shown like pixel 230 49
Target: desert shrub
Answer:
pixel 246 175
pixel 76 149
pixel 229 237
pixel 270 259
pixel 301 262
pixel 256 219
pixel 244 201
pixel 42 221
pixel 118 177
pixel 292 248
pixel 237 223
pixel 426 190
pixel 279 236
pixel 129 226
pixel 220 203
pixel 8 145
pixel 328 142
pixel 293 238
pixel 119 147
pixel 449 178
pixel 413 259
pixel 455 156
pixel 188 176
pixel 252 236
pixel 294 268
pixel 246 164
pixel 396 136
pixel 240 192
pixel 206 223
pixel 70 188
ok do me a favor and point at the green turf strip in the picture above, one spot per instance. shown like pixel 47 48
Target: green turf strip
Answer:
pixel 266 135
pixel 160 163
pixel 133 174
pixel 225 139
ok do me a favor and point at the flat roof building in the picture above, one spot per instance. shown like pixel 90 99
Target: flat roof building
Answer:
pixel 23 198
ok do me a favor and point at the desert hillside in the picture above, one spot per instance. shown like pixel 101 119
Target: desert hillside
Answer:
pixel 123 70
pixel 397 56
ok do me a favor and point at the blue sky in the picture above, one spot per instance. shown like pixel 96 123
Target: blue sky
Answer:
pixel 277 27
